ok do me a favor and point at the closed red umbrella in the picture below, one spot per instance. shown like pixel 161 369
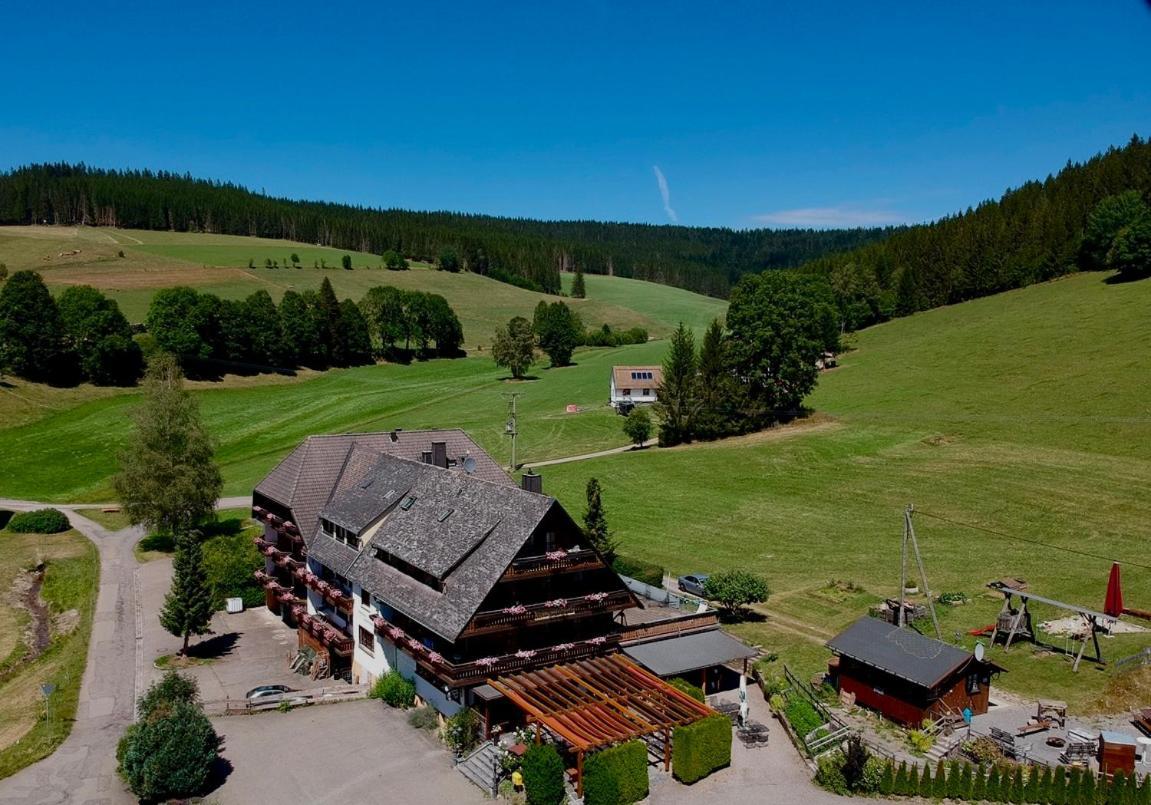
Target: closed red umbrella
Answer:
pixel 1113 605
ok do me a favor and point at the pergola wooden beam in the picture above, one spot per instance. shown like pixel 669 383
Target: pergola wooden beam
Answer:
pixel 595 703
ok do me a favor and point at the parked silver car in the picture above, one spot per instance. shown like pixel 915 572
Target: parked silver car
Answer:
pixel 267 692
pixel 693 585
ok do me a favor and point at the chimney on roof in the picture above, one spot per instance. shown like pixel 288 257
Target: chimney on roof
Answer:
pixel 440 454
pixel 426 457
pixel 531 482
pixel 395 434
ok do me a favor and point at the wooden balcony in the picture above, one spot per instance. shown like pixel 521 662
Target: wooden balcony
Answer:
pixel 530 567
pixel 282 526
pixel 684 624
pixel 529 614
pixel 328 634
pixel 328 591
pixel 469 673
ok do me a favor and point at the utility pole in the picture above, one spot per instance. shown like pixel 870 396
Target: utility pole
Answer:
pixel 511 428
pixel 909 536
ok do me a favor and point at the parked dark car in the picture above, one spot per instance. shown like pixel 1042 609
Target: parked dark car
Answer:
pixel 266 692
pixel 693 585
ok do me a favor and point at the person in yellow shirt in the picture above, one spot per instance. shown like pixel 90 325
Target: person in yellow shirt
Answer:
pixel 518 780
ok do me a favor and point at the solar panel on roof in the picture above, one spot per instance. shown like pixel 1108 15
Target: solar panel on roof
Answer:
pixel 408 502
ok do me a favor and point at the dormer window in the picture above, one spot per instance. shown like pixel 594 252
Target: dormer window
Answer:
pixel 340 534
pixel 407 503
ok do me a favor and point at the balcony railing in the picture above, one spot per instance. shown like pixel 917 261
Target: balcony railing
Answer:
pixel 672 626
pixel 525 614
pixel 285 527
pixel 457 674
pixel 326 633
pixel 559 561
pixel 328 591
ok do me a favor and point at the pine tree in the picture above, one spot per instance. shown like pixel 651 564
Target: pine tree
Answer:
pixel 1087 789
pixel 595 523
pixel 1074 787
pixel 900 785
pixel 939 783
pixel 887 783
pixel 1145 790
pixel 578 290
pixel 1057 792
pixel 188 604
pixel 168 480
pixel 925 783
pixel 978 787
pixel 678 391
pixel 912 786
pixel 965 789
pixel 994 789
pixel 1017 786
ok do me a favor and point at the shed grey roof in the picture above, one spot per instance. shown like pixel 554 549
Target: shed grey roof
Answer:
pixel 305 480
pixel 903 653
pixel 467 551
pixel 678 655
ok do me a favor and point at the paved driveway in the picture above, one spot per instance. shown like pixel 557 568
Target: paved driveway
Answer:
pixel 338 753
pixel 251 647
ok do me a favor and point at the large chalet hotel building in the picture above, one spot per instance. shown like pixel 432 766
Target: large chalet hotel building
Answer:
pixel 414 551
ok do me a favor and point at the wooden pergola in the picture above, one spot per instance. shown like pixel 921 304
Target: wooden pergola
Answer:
pixel 599 702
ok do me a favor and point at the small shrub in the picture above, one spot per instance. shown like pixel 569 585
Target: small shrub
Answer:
pixel 617 775
pixel 699 749
pixel 284 706
pixel 694 691
pixel 41 521
pixel 424 718
pixel 162 696
pixel 983 750
pixel 778 703
pixel 919 742
pixel 646 572
pixel 854 763
pixel 462 731
pixel 953 599
pixel 169 755
pixel 829 773
pixel 394 690
pixel 543 772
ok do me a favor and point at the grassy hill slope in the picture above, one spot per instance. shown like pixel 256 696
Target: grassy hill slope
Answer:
pixel 1024 416
pixel 219 264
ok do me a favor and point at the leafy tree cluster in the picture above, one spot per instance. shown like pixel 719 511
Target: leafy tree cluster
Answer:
pixel 169 753
pixel 518 250
pixel 312 328
pixel 81 336
pixel 403 320
pixel 558 331
pixel 1036 232
pixel 605 336
pixel 758 369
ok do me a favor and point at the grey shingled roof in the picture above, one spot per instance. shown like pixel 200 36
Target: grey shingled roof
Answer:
pixel 467 551
pixel 678 655
pixel 903 653
pixel 308 476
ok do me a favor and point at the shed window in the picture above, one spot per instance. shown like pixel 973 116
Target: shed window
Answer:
pixel 972 684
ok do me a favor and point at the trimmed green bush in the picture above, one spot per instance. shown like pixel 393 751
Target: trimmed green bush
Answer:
pixel 699 749
pixel 40 521
pixel 543 771
pixel 694 691
pixel 172 689
pixel 616 776
pixel 170 755
pixel 162 543
pixel 802 717
pixel 394 690
pixel 829 773
pixel 647 572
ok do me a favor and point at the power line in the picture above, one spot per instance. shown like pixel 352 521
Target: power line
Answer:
pixel 992 531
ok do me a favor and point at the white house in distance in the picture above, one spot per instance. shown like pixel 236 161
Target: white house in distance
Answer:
pixel 634 384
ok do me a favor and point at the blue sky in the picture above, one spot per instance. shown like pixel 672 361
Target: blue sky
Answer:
pixel 754 114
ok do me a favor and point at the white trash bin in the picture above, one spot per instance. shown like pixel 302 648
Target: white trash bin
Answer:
pixel 234 605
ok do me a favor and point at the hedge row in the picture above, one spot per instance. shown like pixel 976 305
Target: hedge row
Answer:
pixel 683 686
pixel 639 570
pixel 543 771
pixel 41 521
pixel 616 776
pixel 700 748
pixel 1042 786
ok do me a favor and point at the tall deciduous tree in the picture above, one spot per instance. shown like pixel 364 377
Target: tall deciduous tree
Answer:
pixel 637 426
pixel 678 392
pixel 31 331
pixel 558 330
pixel 168 480
pixel 595 526
pixel 264 331
pixel 188 605
pixel 780 325
pixel 513 347
pixel 100 337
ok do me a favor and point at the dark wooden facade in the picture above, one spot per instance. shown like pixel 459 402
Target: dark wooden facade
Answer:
pixel 902 701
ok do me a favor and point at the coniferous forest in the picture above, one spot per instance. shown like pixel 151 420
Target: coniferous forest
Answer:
pixel 1033 233
pixel 516 250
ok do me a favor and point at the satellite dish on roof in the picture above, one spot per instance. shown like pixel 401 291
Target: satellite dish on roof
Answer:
pixel 979 651
pixel 469 465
